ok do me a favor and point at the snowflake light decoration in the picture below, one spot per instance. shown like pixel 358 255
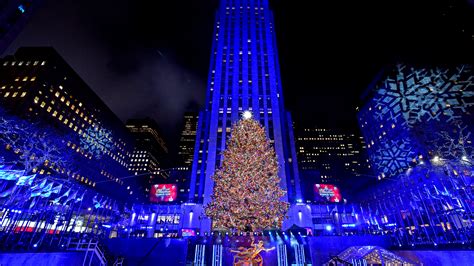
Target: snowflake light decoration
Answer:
pixel 96 141
pixel 408 107
pixel 393 156
pixel 426 94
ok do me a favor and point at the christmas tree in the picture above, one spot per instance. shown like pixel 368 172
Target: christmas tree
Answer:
pixel 247 195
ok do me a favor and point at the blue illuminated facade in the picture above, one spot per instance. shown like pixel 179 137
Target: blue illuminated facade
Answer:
pixel 244 75
pixel 417 123
pixel 407 107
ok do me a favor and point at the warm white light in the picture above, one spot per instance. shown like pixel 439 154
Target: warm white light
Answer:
pixel 464 158
pixel 436 159
pixel 247 115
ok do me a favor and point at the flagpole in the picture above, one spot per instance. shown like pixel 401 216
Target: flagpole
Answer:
pixel 403 227
pixel 408 219
pixel 60 212
pixel 44 213
pixel 448 213
pixel 428 216
pixel 417 207
pixel 435 211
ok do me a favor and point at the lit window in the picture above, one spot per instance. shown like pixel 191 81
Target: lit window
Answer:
pixel 60 117
pixel 43 104
pixel 33 79
pixel 62 99
pixel 36 99
pixel 43 63
pixel 55 113
pixel 56 94
pixel 25 78
pixel 68 103
pixel 15 94
pixel 17 79
pixel 23 94
pixel 35 63
pixel 49 109
pixel 6 94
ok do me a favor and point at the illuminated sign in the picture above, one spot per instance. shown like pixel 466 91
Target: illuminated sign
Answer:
pixel 163 193
pixel 327 192
pixel 188 232
pixel 168 219
pixel 143 217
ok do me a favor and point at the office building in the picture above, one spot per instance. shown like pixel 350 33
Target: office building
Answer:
pixel 149 151
pixel 188 139
pixel 244 75
pixel 38 85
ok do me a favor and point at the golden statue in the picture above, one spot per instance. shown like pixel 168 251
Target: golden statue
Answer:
pixel 250 256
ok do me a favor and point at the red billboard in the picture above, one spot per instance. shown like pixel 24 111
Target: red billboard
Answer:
pixel 163 193
pixel 327 193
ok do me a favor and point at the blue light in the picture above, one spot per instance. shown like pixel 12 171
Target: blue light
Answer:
pixel 349 225
pixel 35 245
pixel 21 8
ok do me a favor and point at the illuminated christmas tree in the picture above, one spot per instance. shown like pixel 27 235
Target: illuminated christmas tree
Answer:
pixel 247 194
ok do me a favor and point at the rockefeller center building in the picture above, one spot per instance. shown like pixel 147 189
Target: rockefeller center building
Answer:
pixel 244 74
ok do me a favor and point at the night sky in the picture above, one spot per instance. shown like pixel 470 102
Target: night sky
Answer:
pixel 151 58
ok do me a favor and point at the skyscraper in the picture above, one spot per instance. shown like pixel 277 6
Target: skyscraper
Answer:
pixel 36 83
pixel 188 139
pixel 244 75
pixel 148 152
pixel 329 156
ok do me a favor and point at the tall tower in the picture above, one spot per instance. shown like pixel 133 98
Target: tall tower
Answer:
pixel 244 75
pixel 188 139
